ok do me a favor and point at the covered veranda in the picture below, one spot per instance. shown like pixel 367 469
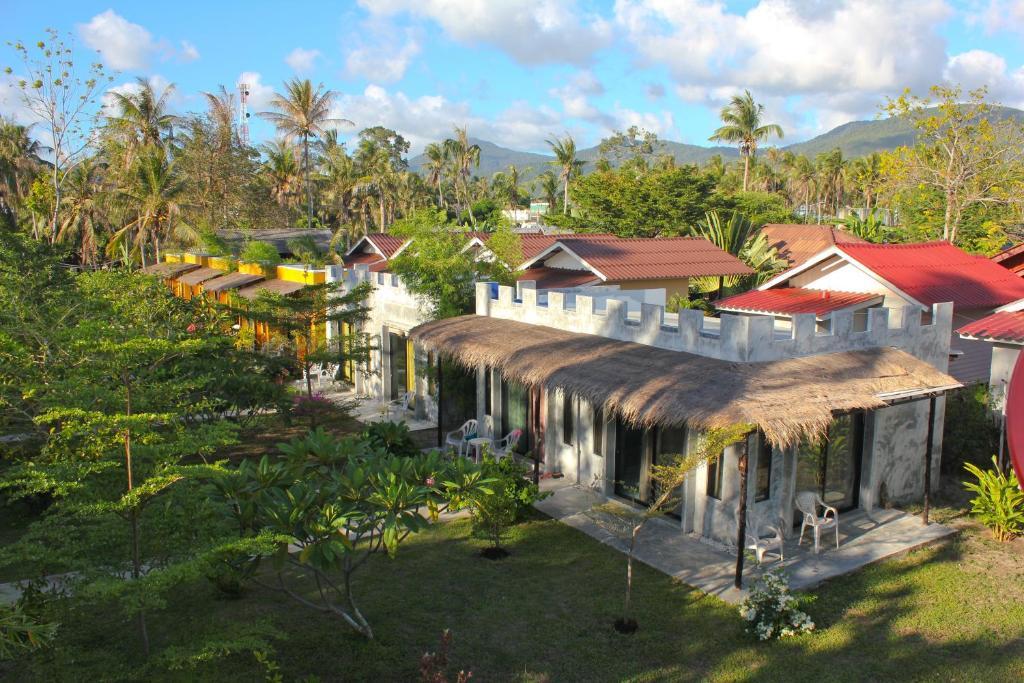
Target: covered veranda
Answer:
pixel 789 401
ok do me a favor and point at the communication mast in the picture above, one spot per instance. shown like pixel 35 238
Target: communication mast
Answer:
pixel 243 118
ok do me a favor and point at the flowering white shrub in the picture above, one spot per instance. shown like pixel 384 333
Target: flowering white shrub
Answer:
pixel 772 612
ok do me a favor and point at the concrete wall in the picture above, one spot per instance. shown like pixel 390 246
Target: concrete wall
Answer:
pixel 736 337
pixel 671 286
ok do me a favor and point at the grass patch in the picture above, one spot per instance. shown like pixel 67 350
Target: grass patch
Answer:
pixel 952 612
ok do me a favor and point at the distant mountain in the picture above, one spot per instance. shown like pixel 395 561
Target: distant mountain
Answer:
pixel 855 139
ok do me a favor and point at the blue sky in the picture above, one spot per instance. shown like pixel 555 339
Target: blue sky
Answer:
pixel 516 72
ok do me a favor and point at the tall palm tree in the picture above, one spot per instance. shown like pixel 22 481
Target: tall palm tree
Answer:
pixel 568 165
pixel 84 209
pixel 304 113
pixel 156 195
pixel 142 117
pixel 867 174
pixel 805 180
pixel 462 156
pixel 222 113
pixel 832 170
pixel 19 163
pixel 282 171
pixel 437 161
pixel 547 184
pixel 742 119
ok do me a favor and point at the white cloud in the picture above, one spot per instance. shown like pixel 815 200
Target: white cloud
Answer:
pixel 429 118
pixel 543 31
pixel 125 46
pixel 842 56
pixel 381 60
pixel 976 68
pixel 302 60
pixel 12 104
pixel 997 15
pixel 189 52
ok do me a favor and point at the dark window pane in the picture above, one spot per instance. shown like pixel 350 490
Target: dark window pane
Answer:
pixel 568 427
pixel 515 412
pixel 714 486
pixel 762 451
pixel 598 435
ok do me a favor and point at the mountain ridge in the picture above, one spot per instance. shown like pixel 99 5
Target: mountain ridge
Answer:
pixel 855 139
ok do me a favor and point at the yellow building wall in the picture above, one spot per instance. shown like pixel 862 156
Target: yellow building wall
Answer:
pixel 195 258
pixel 307 276
pixel 671 286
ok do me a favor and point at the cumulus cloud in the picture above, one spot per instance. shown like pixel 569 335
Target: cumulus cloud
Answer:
pixel 543 31
pixel 381 60
pixel 428 118
pixel 977 68
pixel 846 55
pixel 997 15
pixel 302 60
pixel 126 46
pixel 260 94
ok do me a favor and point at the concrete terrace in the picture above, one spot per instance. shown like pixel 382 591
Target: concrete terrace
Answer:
pixel 863 540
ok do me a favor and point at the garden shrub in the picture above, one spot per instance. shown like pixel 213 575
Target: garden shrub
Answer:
pixel 998 500
pixel 772 612
pixel 969 433
pixel 508 497
pixel 393 437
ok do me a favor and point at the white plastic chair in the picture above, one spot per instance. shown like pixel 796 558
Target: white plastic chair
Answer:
pixel 401 405
pixel 503 447
pixel 808 503
pixel 761 544
pixel 459 438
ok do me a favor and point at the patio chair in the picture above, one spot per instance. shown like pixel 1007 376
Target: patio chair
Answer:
pixel 401 405
pixel 808 503
pixel 762 544
pixel 503 447
pixel 460 437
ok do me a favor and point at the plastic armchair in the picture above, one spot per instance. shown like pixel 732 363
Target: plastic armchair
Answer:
pixel 808 502
pixel 459 438
pixel 401 405
pixel 503 447
pixel 762 544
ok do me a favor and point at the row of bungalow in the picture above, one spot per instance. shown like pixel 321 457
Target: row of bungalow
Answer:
pixel 840 364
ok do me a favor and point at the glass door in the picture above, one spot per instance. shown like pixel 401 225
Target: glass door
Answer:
pixel 630 466
pixel 399 364
pixel 515 413
pixel 832 466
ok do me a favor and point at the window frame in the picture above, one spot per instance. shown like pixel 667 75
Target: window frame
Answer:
pixel 716 470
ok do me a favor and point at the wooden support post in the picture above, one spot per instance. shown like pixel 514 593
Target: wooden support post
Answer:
pixel 440 402
pixel 741 532
pixel 928 461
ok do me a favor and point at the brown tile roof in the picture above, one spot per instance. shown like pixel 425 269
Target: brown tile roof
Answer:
pixel 796 242
pixel 665 258
pixel 230 281
pixel 557 278
pixel 275 286
pixel 200 275
pixel 1012 259
pixel 387 244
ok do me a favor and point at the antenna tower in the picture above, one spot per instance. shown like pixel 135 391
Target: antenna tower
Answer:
pixel 243 113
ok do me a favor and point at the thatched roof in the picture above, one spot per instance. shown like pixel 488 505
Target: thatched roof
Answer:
pixel 200 275
pixel 274 286
pixel 230 281
pixel 787 399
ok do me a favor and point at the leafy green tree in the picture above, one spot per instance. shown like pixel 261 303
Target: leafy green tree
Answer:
pixel 258 251
pixel 628 204
pixel 739 237
pixel 338 502
pixel 304 113
pixel 742 119
pixel 141 118
pixel 960 152
pixel 462 156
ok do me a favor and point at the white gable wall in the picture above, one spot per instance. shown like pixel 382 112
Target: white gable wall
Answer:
pixel 842 276
pixel 562 259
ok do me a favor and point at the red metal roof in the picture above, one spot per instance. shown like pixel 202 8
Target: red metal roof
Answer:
pixel 653 258
pixel 362 257
pixel 792 300
pixel 1006 326
pixel 558 278
pixel 388 244
pixel 933 272
pixel 796 242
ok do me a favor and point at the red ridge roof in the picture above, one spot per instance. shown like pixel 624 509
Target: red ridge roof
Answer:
pixel 1012 259
pixel 792 300
pixel 933 272
pixel 653 258
pixel 388 244
pixel 1006 326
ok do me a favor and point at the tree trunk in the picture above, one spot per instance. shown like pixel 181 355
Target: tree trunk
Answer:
pixel 928 462
pixel 746 170
pixel 741 532
pixel 134 517
pixel 629 570
pixel 565 196
pixel 309 189
pixel 947 224
pixel 56 198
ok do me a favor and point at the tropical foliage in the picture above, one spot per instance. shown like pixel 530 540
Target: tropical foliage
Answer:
pixel 998 501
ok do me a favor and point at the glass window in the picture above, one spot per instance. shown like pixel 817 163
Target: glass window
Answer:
pixel 598 435
pixel 398 357
pixel 714 487
pixel 568 417
pixel 762 452
pixel 515 412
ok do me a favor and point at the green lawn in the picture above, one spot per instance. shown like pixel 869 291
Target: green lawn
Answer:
pixel 953 612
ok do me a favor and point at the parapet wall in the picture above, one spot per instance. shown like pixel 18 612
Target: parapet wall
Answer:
pixel 738 337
